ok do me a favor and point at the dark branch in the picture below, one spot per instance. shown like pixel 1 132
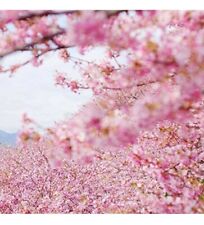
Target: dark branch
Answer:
pixel 60 31
pixel 37 41
pixel 42 53
pixel 45 13
pixel 35 14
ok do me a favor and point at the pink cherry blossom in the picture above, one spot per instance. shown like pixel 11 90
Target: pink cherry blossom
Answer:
pixel 137 146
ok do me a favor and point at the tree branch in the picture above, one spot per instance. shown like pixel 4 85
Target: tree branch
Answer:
pixel 37 41
pixel 60 31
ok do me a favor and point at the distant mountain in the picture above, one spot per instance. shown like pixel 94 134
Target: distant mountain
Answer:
pixel 7 138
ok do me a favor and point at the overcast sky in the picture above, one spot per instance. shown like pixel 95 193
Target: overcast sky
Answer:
pixel 32 90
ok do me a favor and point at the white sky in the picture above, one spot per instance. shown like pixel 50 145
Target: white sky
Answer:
pixel 32 90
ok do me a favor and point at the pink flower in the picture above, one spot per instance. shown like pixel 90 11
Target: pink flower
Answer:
pixel 91 30
pixel 73 86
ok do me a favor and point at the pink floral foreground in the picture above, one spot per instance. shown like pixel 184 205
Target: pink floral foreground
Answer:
pixel 163 177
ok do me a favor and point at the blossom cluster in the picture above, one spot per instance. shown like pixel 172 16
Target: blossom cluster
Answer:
pixel 113 183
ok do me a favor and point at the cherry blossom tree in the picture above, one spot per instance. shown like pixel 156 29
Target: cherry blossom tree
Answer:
pixel 137 147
